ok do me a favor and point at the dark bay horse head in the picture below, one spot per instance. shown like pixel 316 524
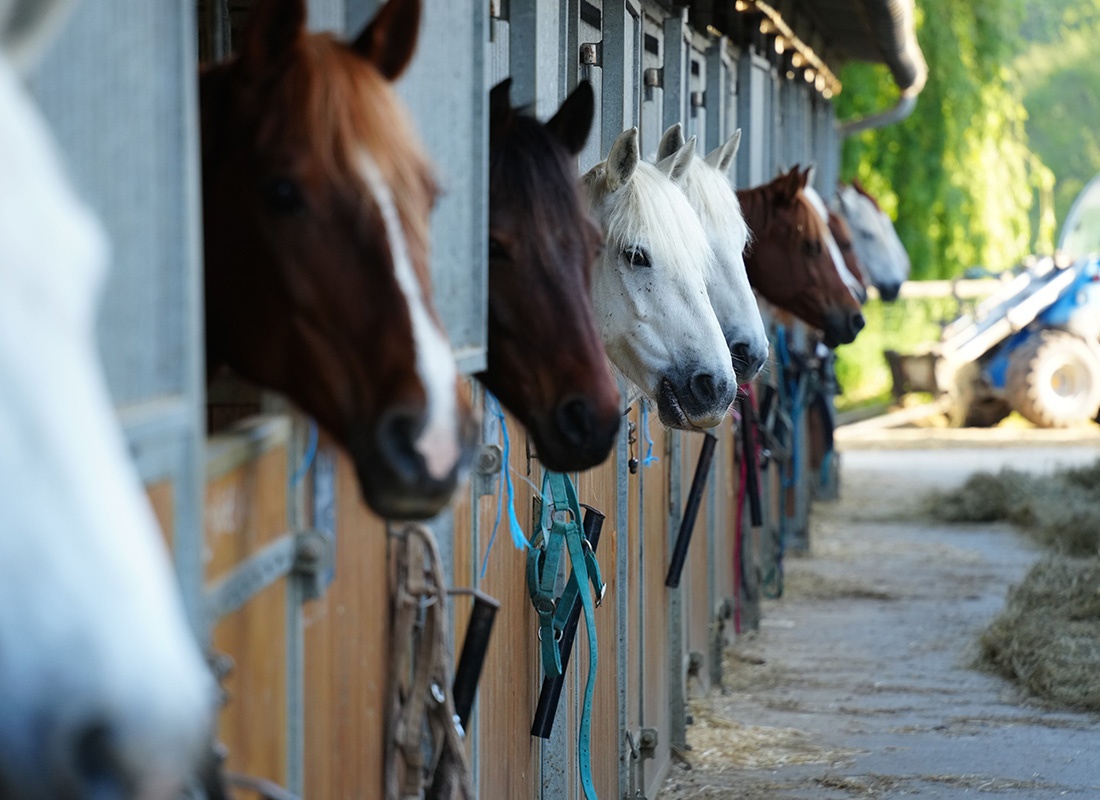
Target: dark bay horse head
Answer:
pixel 316 205
pixel 789 260
pixel 546 361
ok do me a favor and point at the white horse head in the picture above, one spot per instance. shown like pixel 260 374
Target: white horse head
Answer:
pixel 649 288
pixel 850 280
pixel 875 240
pixel 710 192
pixel 104 692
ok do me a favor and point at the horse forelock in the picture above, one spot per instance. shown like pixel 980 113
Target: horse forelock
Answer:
pixel 711 193
pixel 651 211
pixel 344 107
pixel 530 173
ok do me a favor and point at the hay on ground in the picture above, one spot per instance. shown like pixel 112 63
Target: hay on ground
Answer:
pixel 1048 637
pixel 1061 509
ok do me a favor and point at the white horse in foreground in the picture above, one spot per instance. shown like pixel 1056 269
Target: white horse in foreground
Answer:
pixel 874 240
pixel 710 192
pixel 649 288
pixel 103 691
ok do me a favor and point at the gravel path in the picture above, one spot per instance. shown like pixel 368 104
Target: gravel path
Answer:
pixel 858 683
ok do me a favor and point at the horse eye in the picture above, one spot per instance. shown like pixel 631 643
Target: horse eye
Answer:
pixel 497 250
pixel 284 196
pixel 812 247
pixel 636 257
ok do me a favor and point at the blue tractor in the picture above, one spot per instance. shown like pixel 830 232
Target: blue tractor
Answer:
pixel 1032 347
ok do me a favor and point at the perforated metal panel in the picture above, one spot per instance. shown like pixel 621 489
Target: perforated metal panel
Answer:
pixel 446 95
pixel 119 89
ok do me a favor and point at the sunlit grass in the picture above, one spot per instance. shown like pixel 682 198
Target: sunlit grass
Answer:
pixel 905 326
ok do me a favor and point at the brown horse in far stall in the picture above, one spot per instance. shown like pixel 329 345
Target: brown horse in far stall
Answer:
pixel 546 361
pixel 316 205
pixel 789 260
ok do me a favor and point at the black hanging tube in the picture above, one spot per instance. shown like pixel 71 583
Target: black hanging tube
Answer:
pixel 474 648
pixel 752 468
pixel 691 511
pixel 547 709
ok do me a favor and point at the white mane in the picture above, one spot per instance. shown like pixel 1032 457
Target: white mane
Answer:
pixel 653 212
pixel 92 632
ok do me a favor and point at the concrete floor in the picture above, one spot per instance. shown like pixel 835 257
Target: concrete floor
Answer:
pixel 859 682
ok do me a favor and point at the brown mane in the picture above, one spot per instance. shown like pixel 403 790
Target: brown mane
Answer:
pixel 349 107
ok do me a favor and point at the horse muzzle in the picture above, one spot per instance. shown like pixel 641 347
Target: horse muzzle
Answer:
pixel 577 435
pixel 841 327
pixel 699 402
pixel 397 478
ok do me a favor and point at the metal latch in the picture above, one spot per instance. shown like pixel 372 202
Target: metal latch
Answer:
pixel 654 77
pixel 487 464
pixel 592 54
pixel 306 554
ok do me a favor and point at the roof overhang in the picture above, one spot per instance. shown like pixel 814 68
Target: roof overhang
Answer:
pixel 877 31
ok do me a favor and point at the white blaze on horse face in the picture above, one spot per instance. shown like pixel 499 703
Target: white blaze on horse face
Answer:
pixel 710 193
pixel 654 315
pixel 854 286
pixel 92 631
pixel 439 442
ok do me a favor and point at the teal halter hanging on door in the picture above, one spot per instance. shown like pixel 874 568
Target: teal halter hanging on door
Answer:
pixel 560 529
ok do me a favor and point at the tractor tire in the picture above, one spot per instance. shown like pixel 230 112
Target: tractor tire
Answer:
pixel 1053 380
pixel 972 405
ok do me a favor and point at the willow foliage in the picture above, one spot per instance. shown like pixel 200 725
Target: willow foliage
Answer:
pixel 957 175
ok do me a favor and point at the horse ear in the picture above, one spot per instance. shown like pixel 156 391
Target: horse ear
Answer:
pixel 389 39
pixel 671 141
pixel 500 106
pixel 275 27
pixel 676 165
pixel 574 119
pixel 722 156
pixel 811 173
pixel 788 184
pixel 622 160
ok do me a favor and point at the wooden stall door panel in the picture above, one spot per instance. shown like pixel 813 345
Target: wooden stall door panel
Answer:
pixel 509 755
pixel 245 510
pixel 347 647
pixel 696 584
pixel 655 500
pixel 162 498
pixel 598 488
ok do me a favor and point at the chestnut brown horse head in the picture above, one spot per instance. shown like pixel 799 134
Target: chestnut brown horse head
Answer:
pixel 316 205
pixel 789 260
pixel 546 361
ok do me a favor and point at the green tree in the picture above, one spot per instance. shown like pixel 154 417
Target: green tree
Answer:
pixel 957 175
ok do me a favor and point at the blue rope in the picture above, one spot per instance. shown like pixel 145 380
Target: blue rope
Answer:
pixel 649 457
pixel 307 457
pixel 492 405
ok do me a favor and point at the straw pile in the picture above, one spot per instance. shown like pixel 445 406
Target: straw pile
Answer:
pixel 1048 637
pixel 1061 510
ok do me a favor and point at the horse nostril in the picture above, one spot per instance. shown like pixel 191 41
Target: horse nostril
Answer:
pixel 704 388
pixel 740 352
pixel 856 323
pixel 97 768
pixel 576 420
pixel 397 432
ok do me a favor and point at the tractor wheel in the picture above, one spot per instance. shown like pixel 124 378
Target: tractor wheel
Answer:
pixel 1054 380
pixel 972 405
